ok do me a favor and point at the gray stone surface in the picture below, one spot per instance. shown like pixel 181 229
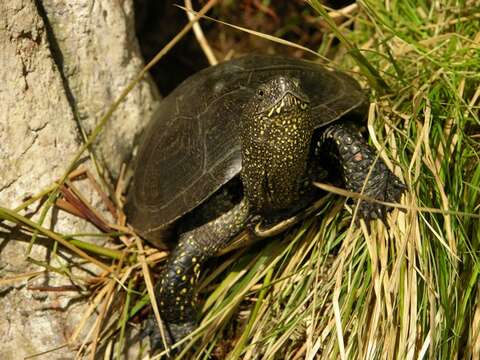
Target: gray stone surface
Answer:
pixel 61 65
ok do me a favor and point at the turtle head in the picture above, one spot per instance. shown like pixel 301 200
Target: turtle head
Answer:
pixel 278 95
pixel 276 133
pixel 277 111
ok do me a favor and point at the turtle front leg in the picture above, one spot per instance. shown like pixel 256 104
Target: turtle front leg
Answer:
pixel 344 144
pixel 176 288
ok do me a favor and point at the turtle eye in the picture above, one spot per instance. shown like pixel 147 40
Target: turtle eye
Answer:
pixel 260 92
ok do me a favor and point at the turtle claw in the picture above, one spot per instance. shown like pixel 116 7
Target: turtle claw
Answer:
pixel 173 334
pixel 369 211
pixel 388 190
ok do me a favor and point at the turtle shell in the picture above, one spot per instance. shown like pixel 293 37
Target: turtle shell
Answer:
pixel 192 146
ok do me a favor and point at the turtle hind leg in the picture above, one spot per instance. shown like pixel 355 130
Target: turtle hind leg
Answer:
pixel 176 288
pixel 343 143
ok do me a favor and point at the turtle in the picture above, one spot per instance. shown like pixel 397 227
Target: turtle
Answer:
pixel 238 144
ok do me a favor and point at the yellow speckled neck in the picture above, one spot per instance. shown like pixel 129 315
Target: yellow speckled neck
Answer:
pixel 275 145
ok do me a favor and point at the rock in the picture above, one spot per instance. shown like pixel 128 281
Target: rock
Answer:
pixel 62 64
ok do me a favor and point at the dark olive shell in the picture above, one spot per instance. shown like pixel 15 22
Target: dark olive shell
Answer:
pixel 192 146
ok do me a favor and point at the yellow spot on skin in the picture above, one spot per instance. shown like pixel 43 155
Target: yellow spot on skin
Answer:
pixel 194 259
pixel 183 291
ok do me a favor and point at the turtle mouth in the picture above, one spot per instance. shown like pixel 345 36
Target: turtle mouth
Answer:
pixel 288 102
